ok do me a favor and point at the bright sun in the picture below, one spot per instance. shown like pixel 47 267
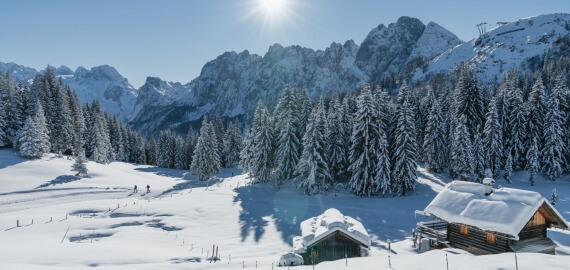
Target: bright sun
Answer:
pixel 273 6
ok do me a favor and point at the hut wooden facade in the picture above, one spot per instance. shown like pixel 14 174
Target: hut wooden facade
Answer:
pixel 330 236
pixel 481 220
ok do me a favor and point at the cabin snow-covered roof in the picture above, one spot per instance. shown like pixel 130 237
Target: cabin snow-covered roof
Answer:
pixel 506 210
pixel 317 228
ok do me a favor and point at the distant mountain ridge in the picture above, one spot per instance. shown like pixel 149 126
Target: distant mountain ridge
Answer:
pixel 232 84
pixel 103 83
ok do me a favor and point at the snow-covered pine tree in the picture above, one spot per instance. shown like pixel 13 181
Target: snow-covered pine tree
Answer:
pixel 312 172
pixel 11 96
pixel 287 130
pixel 246 153
pixel 166 149
pixel 347 123
pixel 116 138
pixel 462 151
pixel 42 129
pixel 32 142
pixel 364 150
pixel 180 158
pixel 206 161
pixel 263 146
pixel 445 101
pixel 232 144
pixel 420 120
pixel 468 101
pixel 561 92
pixel 3 136
pixel 405 156
pixel 220 133
pixel 287 156
pixel 78 122
pixel 478 157
pixel 191 140
pixel 535 109
pixel 303 104
pixel 509 167
pixel 335 135
pixel 553 151
pixel 80 164
pixel 516 124
pixel 554 197
pixel 150 152
pixel 435 142
pixel 62 132
pixel 383 173
pixel 102 149
pixel 493 139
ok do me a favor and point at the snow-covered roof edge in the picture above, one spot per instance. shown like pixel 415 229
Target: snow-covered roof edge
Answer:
pixel 465 203
pixel 317 228
pixel 338 229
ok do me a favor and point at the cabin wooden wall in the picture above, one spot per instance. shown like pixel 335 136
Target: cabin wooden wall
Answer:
pixel 475 241
pixel 334 247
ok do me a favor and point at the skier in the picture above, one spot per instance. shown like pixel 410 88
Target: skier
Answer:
pixel 147 188
pixel 136 190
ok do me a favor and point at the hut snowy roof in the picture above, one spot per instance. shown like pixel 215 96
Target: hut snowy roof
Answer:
pixel 505 210
pixel 317 228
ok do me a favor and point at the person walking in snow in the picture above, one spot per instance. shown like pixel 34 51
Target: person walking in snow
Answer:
pixel 147 188
pixel 136 190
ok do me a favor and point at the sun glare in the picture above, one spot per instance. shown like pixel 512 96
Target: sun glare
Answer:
pixel 273 6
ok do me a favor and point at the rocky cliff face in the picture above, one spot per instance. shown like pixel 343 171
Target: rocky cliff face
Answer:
pixel 232 84
pixel 104 83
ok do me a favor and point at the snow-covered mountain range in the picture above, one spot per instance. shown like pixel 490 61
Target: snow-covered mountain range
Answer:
pixel 102 83
pixel 232 84
pixel 504 47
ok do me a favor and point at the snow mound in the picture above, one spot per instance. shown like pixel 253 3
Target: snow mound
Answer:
pixel 506 210
pixel 332 220
pixel 291 259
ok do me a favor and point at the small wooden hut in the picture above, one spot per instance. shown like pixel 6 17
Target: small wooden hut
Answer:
pixel 482 220
pixel 330 236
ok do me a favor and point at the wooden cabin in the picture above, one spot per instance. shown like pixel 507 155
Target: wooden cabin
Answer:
pixel 482 220
pixel 330 236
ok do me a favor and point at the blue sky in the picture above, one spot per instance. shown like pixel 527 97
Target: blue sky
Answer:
pixel 173 39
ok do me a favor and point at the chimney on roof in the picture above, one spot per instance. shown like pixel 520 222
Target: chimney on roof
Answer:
pixel 489 183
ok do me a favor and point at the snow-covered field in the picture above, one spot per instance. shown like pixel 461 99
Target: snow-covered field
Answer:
pixel 98 221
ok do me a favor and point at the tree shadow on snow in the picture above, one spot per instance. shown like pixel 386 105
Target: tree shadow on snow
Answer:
pixel 384 218
pixel 9 158
pixel 62 179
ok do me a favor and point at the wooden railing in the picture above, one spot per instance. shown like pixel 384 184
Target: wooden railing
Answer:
pixel 436 230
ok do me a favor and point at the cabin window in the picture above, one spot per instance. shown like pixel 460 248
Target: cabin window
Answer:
pixel 464 229
pixel 491 238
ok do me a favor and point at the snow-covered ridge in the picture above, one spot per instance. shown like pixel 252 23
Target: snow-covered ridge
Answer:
pixel 103 83
pixel 503 48
pixel 233 83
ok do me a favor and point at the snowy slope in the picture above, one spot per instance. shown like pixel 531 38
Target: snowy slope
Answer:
pixel 176 224
pixel 504 47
